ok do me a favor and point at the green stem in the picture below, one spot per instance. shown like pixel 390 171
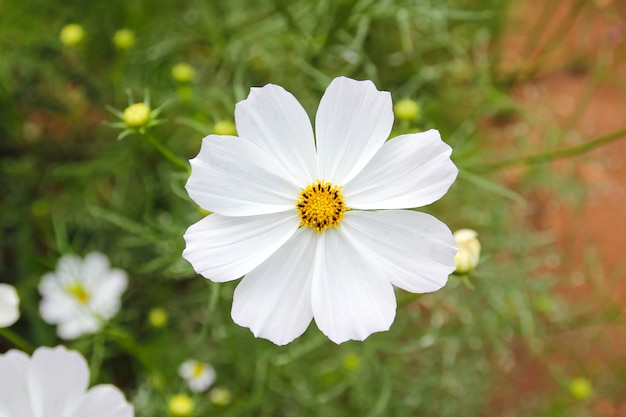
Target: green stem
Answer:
pixel 127 342
pixel 169 155
pixel 97 353
pixel 17 340
pixel 552 155
pixel 213 298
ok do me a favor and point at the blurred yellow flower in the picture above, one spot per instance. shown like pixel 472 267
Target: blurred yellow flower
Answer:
pixel 158 317
pixel 468 255
pixel 180 405
pixel 136 115
pixel 72 34
pixel 124 39
pixel 407 109
pixel 580 388
pixel 220 396
pixel 224 127
pixel 183 73
pixel 351 361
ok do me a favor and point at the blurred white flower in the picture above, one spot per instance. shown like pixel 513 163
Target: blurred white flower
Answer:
pixel 81 295
pixel 199 376
pixel 53 382
pixel 296 215
pixel 9 305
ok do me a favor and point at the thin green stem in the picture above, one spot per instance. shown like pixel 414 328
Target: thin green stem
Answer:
pixel 169 155
pixel 127 342
pixel 552 155
pixel 97 353
pixel 213 298
pixel 16 340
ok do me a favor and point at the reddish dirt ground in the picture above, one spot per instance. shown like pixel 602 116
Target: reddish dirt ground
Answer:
pixel 571 70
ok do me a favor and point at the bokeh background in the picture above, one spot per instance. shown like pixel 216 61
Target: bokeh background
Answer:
pixel 536 330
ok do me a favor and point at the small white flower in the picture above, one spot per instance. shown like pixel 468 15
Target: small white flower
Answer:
pixel 199 376
pixel 9 305
pixel 297 215
pixel 53 382
pixel 81 295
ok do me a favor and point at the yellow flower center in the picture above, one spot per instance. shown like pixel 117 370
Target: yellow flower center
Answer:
pixel 79 292
pixel 320 206
pixel 197 370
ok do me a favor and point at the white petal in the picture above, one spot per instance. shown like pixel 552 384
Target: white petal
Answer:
pixel 106 293
pixel 102 401
pixel 95 266
pixel 233 177
pixel 275 121
pixel 408 171
pixel 414 250
pixel 225 248
pixel 186 369
pixel 56 379
pixel 351 298
pixel 353 121
pixel 9 305
pixel 14 398
pixel 274 299
pixel 83 322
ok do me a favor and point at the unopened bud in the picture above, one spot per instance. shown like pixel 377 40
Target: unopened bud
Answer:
pixel 136 115
pixel 467 257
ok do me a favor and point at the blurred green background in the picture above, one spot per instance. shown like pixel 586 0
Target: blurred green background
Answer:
pixel 490 345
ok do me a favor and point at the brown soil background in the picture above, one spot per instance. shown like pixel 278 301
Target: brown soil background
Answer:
pixel 571 72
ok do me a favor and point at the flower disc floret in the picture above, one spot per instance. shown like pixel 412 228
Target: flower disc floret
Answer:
pixel 321 206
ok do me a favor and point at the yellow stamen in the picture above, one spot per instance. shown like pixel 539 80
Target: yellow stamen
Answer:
pixel 197 370
pixel 320 206
pixel 79 292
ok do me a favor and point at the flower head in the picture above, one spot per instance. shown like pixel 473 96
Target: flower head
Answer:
pixel 53 382
pixel 297 215
pixel 220 396
pixel 136 115
pixel 183 73
pixel 72 34
pixel 81 294
pixel 124 39
pixel 9 305
pixel 468 255
pixel 180 405
pixel 199 376
pixel 407 109
pixel 158 317
pixel 224 127
pixel 580 388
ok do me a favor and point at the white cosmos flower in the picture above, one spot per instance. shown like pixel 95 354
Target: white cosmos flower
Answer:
pixel 9 305
pixel 53 382
pixel 296 215
pixel 81 295
pixel 199 376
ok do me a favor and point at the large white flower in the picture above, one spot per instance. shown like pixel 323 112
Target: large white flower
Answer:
pixel 53 382
pixel 81 295
pixel 9 305
pixel 295 214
